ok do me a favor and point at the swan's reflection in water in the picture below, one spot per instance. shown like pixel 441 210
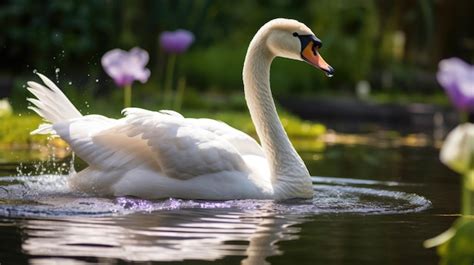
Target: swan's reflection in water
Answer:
pixel 190 234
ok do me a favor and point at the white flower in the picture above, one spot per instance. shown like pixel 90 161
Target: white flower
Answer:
pixel 458 149
pixel 5 108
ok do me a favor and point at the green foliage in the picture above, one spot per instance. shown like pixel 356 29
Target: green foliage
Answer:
pixel 295 127
pixel 294 77
pixel 357 35
pixel 217 66
pixel 459 250
pixel 37 32
pixel 15 131
pixel 348 30
pixel 347 47
pixel 406 98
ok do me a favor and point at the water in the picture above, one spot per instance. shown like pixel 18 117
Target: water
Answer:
pixel 51 197
pixel 373 205
pixel 56 72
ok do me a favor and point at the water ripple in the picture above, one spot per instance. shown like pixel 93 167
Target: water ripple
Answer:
pixel 48 195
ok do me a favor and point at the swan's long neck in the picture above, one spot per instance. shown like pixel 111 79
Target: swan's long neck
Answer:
pixel 285 163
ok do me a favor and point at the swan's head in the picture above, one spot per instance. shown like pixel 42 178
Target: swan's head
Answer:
pixel 291 39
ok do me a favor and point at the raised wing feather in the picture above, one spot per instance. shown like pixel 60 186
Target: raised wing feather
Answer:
pixel 101 143
pixel 182 149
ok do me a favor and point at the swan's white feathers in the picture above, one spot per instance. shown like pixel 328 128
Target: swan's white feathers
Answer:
pixel 44 128
pixel 245 144
pixel 99 142
pixel 172 113
pixel 166 143
pixel 182 150
pixel 62 102
pixel 55 105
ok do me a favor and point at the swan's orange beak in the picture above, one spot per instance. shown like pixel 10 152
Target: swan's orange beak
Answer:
pixel 311 55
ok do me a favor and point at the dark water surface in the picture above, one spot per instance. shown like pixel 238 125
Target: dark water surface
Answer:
pixel 374 205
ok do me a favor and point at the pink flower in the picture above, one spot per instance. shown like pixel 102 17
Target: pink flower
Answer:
pixel 125 67
pixel 457 79
pixel 176 41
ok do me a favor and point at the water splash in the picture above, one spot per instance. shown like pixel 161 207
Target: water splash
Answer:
pixel 52 165
pixel 72 169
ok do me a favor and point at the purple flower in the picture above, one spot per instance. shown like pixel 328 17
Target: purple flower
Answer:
pixel 457 79
pixel 176 41
pixel 125 67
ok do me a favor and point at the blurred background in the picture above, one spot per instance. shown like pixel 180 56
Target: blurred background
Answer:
pixel 385 52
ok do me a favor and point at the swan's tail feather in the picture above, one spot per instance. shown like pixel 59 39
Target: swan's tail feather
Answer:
pixel 51 104
pixel 44 128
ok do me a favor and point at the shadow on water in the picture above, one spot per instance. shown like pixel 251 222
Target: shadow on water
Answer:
pixel 381 214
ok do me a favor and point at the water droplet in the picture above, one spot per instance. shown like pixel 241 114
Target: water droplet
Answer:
pixel 19 115
pixel 35 71
pixel 56 71
pixel 70 83
pixel 24 86
pixel 72 170
pixel 97 80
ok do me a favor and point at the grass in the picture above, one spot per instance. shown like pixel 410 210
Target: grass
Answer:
pixel 295 127
pixel 406 98
pixel 15 129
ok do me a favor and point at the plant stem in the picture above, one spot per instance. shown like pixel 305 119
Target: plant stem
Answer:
pixel 127 96
pixel 467 207
pixel 169 80
pixel 178 100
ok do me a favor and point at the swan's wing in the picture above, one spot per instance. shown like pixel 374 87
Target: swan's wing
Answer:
pixel 101 142
pixel 245 144
pixel 183 150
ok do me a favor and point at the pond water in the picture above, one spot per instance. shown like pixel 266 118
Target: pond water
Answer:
pixel 374 204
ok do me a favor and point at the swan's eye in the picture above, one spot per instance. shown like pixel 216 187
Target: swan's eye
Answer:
pixel 318 44
pixel 295 34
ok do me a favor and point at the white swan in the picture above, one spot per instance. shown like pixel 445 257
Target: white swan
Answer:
pixel 162 154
